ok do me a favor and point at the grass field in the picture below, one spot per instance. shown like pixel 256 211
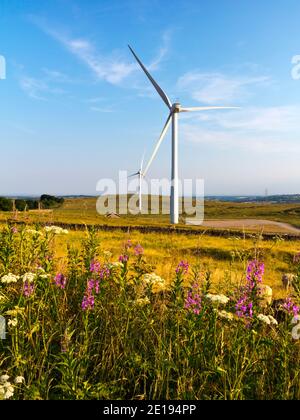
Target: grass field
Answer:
pixel 83 210
pixel 226 258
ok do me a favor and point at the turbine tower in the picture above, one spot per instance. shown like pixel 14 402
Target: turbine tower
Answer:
pixel 141 175
pixel 174 110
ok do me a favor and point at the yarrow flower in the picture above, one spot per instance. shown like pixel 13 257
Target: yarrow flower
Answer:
pixel 155 282
pixel 29 277
pixel 296 332
pixel 9 278
pixel 14 230
pixel 182 268
pixel 193 301
pixel 60 280
pixel 221 299
pixel 12 322
pixel 6 388
pixel 226 315
pixel 56 230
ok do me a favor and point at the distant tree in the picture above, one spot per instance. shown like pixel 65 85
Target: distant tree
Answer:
pixel 50 201
pixel 5 204
pixel 20 205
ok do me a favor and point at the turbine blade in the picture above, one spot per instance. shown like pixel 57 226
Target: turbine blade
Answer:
pixel 131 176
pixel 142 162
pixel 205 108
pixel 157 87
pixel 163 133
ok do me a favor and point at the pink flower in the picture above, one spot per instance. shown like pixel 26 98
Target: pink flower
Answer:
pixel 60 281
pixel 138 250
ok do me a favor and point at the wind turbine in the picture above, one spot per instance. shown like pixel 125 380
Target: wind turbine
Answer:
pixel 174 110
pixel 141 175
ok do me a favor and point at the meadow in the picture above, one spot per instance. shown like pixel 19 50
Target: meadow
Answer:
pixel 108 315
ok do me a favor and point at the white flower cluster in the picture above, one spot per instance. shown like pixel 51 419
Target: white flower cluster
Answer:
pixel 6 388
pixel 116 264
pixel 225 315
pixel 33 232
pixel 267 319
pixel 219 299
pixel 28 277
pixel 9 278
pixel 296 329
pixel 156 282
pixel 56 230
pixel 12 322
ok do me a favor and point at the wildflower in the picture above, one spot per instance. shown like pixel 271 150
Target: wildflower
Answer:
pixel 264 318
pixel 32 232
pixel 128 244
pixel 12 322
pixel 296 332
pixel 116 264
pixel 14 230
pixel 56 230
pixel 60 280
pixel 193 301
pixel 4 378
pixel 255 271
pixel 19 380
pixel 290 307
pixel 29 277
pixel 182 268
pixel 273 320
pixel 28 289
pixel 156 283
pixel 95 266
pixel 6 388
pixel 9 278
pixel 138 250
pixel 221 299
pixel 226 315
pixel 88 302
pixel 142 301
pixel 123 258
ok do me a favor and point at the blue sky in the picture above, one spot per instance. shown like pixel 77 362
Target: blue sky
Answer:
pixel 75 107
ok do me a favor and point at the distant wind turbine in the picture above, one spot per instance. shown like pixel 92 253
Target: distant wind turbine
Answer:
pixel 141 175
pixel 174 109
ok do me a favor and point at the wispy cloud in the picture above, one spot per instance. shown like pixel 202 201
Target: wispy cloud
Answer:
pixel 268 130
pixel 112 67
pixel 214 88
pixel 98 109
pixel 37 88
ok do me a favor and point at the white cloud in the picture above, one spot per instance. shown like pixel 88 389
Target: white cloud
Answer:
pixel 270 130
pixel 37 88
pixel 213 88
pixel 112 68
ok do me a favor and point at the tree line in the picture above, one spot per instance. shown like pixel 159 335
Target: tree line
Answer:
pixel 45 202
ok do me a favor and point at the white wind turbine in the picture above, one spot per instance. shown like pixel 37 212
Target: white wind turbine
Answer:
pixel 174 109
pixel 141 175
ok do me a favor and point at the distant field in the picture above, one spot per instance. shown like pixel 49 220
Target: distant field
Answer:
pixel 225 257
pixel 83 211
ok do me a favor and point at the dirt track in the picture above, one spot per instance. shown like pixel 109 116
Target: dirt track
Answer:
pixel 253 224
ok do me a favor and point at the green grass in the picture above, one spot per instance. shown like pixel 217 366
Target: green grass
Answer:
pixel 84 211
